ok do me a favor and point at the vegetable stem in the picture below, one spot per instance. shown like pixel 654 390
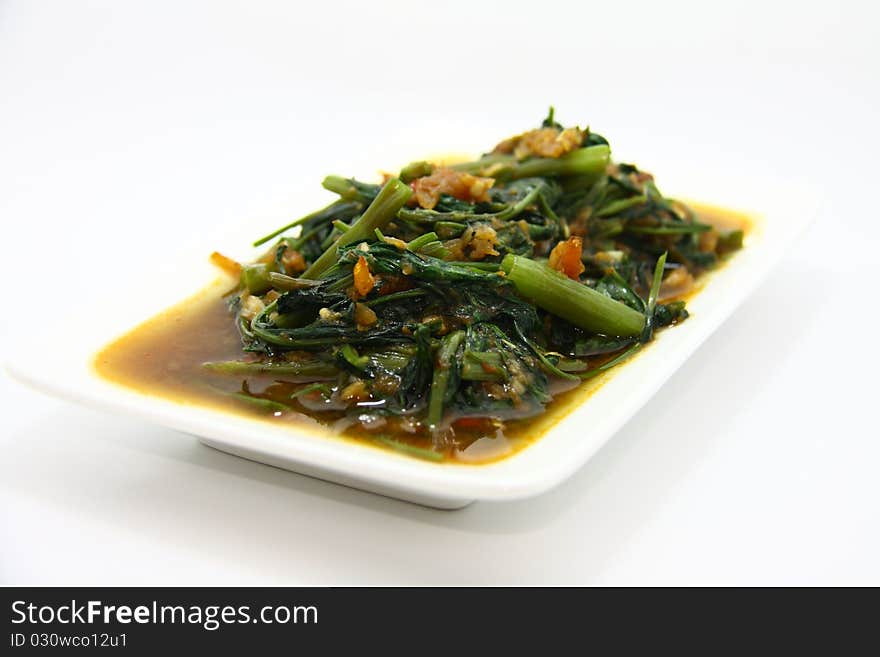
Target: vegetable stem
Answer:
pixel 591 160
pixel 334 209
pixel 579 304
pixel 393 195
pixel 421 241
pixel 653 295
pixel 445 364
pixel 310 368
pixel 411 450
pixel 482 366
pixel 588 162
pixel 617 360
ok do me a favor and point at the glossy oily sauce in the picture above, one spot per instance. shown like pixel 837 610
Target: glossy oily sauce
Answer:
pixel 164 357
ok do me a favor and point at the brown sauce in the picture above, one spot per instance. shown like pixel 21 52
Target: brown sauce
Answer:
pixel 164 356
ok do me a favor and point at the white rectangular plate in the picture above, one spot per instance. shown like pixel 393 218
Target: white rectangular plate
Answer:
pixel 783 213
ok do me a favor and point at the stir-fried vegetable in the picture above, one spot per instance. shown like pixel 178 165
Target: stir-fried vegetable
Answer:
pixel 459 295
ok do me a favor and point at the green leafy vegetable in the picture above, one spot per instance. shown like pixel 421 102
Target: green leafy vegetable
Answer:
pixel 447 302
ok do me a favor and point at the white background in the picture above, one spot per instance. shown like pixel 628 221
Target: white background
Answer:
pixel 129 128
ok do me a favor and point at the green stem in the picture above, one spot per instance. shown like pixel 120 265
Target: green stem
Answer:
pixel 337 208
pixel 443 369
pixel 615 207
pixel 421 241
pixel 588 164
pixel 415 170
pixel 653 295
pixel 478 266
pixel 449 229
pixel 261 402
pixel 579 304
pixel 478 166
pixel 255 278
pixel 549 367
pixel 312 387
pixel 482 366
pixel 393 195
pixel 350 189
pixel 311 368
pixel 668 229
pixel 411 450
pixel 455 217
pixel 611 363
pixel 592 160
pixel 395 296
pixel 296 243
pixel 285 282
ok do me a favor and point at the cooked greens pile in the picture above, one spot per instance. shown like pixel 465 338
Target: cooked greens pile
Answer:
pixel 452 294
